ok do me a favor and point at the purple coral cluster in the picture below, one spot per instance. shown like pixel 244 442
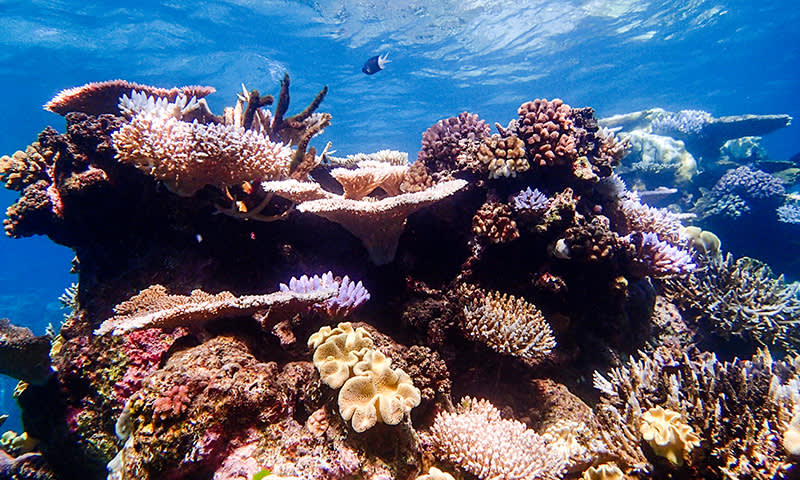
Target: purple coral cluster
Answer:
pixel 529 200
pixel 350 295
pixel 446 139
pixel 750 184
pixel 685 122
pixel 660 257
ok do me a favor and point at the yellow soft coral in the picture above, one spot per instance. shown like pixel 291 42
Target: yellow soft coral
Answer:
pixel 791 437
pixel 435 474
pixel 667 434
pixel 376 392
pixel 337 350
pixel 605 471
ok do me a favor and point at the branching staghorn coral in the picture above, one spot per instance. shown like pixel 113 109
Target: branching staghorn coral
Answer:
pixel 741 297
pixel 658 258
pixel 507 324
pixel 738 409
pixel 154 308
pixel 639 217
pixel 480 441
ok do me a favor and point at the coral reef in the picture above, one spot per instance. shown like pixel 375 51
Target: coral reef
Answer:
pixel 470 263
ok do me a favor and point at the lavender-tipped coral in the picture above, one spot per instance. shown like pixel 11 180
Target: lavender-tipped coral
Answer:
pixel 349 295
pixel 659 257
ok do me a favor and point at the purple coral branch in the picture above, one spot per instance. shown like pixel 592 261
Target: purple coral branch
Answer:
pixel 661 257
pixel 350 295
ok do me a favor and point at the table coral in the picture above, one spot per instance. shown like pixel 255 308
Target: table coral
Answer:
pixel 379 224
pixel 103 97
pixel 153 307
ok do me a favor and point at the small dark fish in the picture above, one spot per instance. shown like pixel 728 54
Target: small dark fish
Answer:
pixel 375 64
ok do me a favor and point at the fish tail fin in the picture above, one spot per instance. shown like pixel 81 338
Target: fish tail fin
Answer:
pixel 382 60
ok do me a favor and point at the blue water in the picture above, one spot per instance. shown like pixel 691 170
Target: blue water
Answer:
pixel 484 56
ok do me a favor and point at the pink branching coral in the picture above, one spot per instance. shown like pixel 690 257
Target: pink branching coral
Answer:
pixel 446 139
pixel 639 217
pixel 659 257
pixel 188 156
pixel 102 97
pixel 546 128
pixel 350 295
pixel 479 440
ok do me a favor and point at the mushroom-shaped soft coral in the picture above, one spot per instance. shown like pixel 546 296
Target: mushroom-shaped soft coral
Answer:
pixel 791 437
pixel 337 350
pixel 376 393
pixel 435 474
pixel 667 434
pixel 605 471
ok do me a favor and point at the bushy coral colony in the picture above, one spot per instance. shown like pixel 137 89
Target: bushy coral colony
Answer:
pixel 247 305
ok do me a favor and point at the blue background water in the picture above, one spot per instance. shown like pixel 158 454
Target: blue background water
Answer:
pixel 485 56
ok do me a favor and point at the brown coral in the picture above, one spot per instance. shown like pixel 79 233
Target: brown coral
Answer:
pixel 26 168
pixel 503 156
pixel 493 221
pixel 593 242
pixel 417 178
pixel 546 128
pixel 103 97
